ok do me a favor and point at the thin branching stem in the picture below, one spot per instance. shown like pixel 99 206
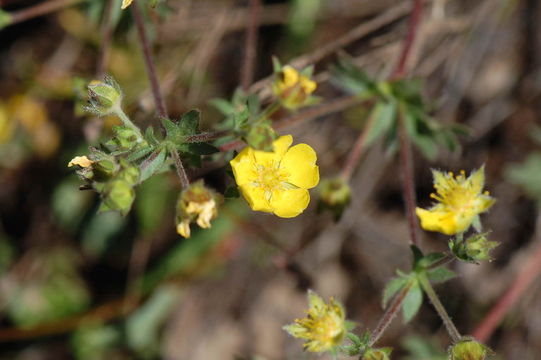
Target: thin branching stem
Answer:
pixel 390 314
pixel 250 45
pixel 181 172
pixel 41 9
pixel 440 309
pixel 149 63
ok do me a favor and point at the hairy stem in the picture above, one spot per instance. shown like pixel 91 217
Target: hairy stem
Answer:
pixel 181 172
pixel 149 63
pixel 205 137
pixel 440 309
pixel 389 315
pixel 415 19
pixel 127 122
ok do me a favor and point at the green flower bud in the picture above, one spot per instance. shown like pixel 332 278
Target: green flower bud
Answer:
pixel 105 96
pixel 129 173
pixel 378 354
pixel 104 169
pixel 475 248
pixel 125 139
pixel 335 195
pixel 469 349
pixel 196 203
pixel 261 136
pixel 118 196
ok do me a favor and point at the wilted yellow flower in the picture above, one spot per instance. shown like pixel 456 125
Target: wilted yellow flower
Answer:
pixel 198 203
pixel 126 3
pixel 292 88
pixel 277 182
pixel 460 201
pixel 323 328
pixel 82 161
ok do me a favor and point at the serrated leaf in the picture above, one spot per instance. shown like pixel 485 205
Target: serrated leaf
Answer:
pixel 393 287
pixel 189 122
pixel 351 78
pixel 354 338
pixel 383 116
pixel 412 302
pixel 202 148
pixel 171 128
pixel 152 164
pixel 440 275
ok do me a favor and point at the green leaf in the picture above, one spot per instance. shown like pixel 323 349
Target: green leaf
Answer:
pixel 150 136
pixel 527 175
pixel 412 302
pixel 189 123
pixel 352 79
pixel 394 286
pixel 417 253
pixel 139 154
pixel 171 128
pixel 430 259
pixel 384 114
pixel 440 275
pixel 202 148
pixel 152 164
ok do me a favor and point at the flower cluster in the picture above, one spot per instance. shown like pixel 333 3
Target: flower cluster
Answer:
pixel 460 201
pixel 324 328
pixel 293 88
pixel 277 182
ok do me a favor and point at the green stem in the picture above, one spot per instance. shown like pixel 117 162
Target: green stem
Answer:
pixel 440 309
pixel 127 122
pixel 271 109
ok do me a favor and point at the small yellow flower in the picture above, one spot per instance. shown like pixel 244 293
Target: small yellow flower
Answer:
pixel 292 88
pixel 460 201
pixel 277 182
pixel 126 3
pixel 81 161
pixel 183 228
pixel 323 328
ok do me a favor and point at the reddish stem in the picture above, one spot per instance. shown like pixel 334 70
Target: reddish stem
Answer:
pixel 44 8
pixel 250 45
pixel 413 28
pixel 522 281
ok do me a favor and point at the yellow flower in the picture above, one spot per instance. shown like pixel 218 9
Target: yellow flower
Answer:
pixel 460 201
pixel 277 182
pixel 82 161
pixel 323 328
pixel 292 88
pixel 126 3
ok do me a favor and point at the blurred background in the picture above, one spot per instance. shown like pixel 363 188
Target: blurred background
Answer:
pixel 75 284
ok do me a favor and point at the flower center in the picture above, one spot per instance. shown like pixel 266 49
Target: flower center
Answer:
pixel 270 177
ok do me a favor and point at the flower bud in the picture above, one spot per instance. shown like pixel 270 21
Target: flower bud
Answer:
pixel 468 349
pixel 129 173
pixel 125 138
pixel 196 203
pixel 118 196
pixel 292 88
pixel 475 248
pixel 335 195
pixel 105 96
pixel 377 354
pixel 261 136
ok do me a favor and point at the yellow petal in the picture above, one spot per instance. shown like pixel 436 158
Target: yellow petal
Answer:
pixel 289 203
pixel 126 3
pixel 476 180
pixel 256 198
pixel 436 220
pixel 299 161
pixel 183 228
pixel 290 76
pixel 82 161
pixel 307 85
pixel 280 146
pixel 243 166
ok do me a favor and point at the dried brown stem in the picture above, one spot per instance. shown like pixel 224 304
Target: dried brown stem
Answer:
pixel 250 45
